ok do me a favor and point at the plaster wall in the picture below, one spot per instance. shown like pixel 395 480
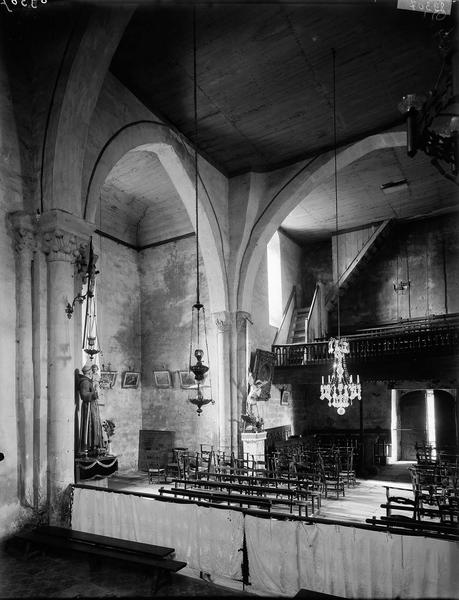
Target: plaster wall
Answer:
pixel 168 284
pixel 10 201
pixel 118 301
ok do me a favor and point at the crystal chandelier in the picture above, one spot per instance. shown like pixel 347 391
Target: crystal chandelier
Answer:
pixel 199 351
pixel 339 390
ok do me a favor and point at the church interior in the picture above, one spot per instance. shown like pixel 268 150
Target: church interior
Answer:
pixel 230 298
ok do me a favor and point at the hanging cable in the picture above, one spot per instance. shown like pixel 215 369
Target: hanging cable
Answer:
pixel 336 188
pixel 195 101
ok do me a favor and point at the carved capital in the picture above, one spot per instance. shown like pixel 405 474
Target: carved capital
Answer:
pixel 60 245
pixel 63 236
pixel 224 321
pixel 241 320
pixel 24 232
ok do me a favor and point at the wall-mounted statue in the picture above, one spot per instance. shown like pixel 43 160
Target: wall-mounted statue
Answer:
pixel 90 435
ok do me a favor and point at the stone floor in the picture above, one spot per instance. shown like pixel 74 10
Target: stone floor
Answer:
pixel 53 576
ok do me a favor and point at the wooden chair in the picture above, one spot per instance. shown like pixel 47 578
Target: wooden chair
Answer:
pixel 331 478
pixel 449 510
pixel 176 466
pixel 401 506
pixel 156 467
pixel 347 471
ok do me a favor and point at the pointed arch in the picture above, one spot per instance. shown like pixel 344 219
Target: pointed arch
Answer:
pixel 291 195
pixel 177 159
pixel 87 57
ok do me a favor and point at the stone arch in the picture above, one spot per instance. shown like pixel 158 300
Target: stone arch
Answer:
pixel 290 196
pixel 85 63
pixel 177 160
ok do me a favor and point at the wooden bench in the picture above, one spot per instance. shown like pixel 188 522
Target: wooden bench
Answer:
pixel 303 491
pixel 294 496
pixel 415 527
pixel 155 560
pixel 219 497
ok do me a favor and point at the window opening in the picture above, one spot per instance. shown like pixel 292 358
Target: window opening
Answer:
pixel 274 281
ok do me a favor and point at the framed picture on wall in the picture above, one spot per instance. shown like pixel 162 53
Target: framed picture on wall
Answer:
pixel 107 379
pixel 130 379
pixel 162 379
pixel 186 379
pixel 285 397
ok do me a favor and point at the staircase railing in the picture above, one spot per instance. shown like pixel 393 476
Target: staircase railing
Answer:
pixel 434 337
pixel 284 327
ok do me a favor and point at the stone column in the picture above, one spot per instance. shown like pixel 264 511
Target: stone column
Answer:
pixel 62 236
pixel 25 244
pixel 225 407
pixel 242 359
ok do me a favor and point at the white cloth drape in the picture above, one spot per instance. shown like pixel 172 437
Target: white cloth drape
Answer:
pixel 283 556
pixel 348 562
pixel 208 539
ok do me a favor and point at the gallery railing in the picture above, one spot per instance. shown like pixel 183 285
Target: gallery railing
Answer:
pixel 418 336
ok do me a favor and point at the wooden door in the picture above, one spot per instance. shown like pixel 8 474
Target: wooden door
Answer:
pixel 445 420
pixel 412 423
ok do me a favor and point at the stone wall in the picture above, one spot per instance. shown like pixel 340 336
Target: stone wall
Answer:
pixel 10 201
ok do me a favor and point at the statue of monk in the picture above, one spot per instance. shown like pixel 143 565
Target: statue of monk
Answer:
pixel 90 434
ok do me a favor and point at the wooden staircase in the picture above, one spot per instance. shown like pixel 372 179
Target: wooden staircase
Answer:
pixel 297 333
pixel 361 259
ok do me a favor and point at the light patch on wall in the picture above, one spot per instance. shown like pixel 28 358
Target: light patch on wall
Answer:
pixel 274 281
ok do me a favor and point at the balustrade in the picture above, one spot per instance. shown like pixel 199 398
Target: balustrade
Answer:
pixel 419 337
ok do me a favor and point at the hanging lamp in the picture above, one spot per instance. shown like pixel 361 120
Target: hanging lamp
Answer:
pixel 90 338
pixel 339 390
pixel 199 351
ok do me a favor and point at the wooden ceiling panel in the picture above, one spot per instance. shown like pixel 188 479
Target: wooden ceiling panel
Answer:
pixel 139 203
pixel 260 67
pixel 361 201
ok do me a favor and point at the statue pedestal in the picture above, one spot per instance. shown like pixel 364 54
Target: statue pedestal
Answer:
pixel 253 444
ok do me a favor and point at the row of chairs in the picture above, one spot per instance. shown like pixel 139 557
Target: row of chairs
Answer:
pixel 434 496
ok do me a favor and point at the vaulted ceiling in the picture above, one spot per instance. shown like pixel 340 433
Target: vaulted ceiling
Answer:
pixel 265 99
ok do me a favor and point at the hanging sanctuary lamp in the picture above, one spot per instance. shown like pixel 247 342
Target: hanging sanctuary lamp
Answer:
pixel 340 390
pixel 90 338
pixel 199 351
